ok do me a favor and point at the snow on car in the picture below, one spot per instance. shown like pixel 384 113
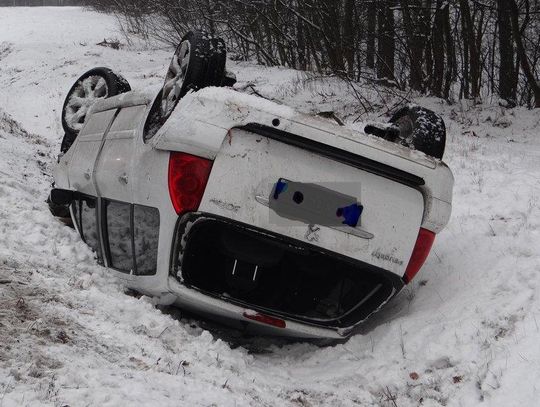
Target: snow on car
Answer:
pixel 241 209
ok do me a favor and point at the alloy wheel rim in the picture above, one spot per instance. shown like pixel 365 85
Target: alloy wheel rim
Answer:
pixel 87 92
pixel 174 81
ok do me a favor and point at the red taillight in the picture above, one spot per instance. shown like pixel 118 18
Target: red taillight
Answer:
pixel 265 319
pixel 188 176
pixel 420 253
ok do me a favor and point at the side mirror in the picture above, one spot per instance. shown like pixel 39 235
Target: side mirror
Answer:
pixel 62 196
pixel 229 79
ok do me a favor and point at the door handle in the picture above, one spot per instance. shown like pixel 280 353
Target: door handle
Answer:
pixel 123 178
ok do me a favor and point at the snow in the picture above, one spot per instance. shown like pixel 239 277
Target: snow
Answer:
pixel 465 332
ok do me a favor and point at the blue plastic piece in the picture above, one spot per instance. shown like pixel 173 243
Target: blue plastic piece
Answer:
pixel 281 186
pixel 351 214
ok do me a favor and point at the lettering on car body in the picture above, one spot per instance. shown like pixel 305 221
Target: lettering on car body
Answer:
pixel 386 257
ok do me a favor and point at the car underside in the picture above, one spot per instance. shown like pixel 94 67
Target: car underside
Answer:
pixel 241 209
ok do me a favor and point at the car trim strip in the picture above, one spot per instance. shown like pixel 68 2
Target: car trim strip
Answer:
pixel 337 154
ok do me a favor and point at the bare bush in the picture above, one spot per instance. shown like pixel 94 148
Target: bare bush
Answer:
pixel 468 49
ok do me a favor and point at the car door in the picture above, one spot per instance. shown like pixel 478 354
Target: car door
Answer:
pixel 114 166
pixel 85 151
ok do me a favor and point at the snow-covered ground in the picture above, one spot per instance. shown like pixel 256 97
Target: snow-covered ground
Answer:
pixel 465 333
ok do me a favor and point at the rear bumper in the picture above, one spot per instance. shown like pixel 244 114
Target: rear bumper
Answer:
pixel 232 314
pixel 229 270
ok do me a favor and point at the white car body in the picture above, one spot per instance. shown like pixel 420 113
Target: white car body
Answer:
pixel 252 143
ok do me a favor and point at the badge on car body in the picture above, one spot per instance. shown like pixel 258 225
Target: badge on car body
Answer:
pixel 312 234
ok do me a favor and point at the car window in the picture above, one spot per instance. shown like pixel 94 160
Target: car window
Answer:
pixel 146 237
pixel 118 223
pixel 89 224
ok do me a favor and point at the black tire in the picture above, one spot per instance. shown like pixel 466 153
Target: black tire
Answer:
pixel 98 83
pixel 421 129
pixel 67 141
pixel 187 71
pixel 215 72
pixel 204 60
pixel 153 120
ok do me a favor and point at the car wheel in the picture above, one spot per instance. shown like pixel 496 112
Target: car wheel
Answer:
pixel 187 70
pixel 420 129
pixel 92 86
pixel 198 62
